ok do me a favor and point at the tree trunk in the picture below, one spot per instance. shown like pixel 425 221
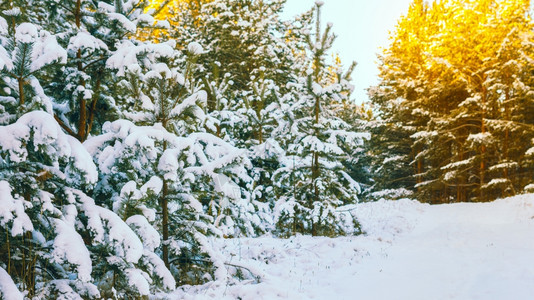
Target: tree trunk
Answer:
pixel 165 222
pixel 92 111
pixel 164 201
pixel 419 170
pixel 506 141
pixel 483 147
pixel 82 122
pixel 460 179
pixel 315 156
pixel 21 92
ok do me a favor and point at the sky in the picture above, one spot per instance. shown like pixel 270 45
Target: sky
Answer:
pixel 362 27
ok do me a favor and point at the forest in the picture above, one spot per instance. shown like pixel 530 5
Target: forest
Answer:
pixel 134 132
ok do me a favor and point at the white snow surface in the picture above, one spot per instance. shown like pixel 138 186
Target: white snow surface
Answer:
pixel 195 48
pixel 410 251
pixel 8 289
pixel 69 247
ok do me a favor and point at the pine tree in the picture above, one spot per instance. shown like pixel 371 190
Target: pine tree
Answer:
pixel 90 32
pixel 244 69
pixel 313 182
pixel 58 242
pixel 197 173
pixel 262 113
pixel 26 55
pixel 240 37
pixel 456 96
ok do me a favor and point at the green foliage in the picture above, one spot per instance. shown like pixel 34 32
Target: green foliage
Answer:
pixel 238 127
pixel 56 241
pixel 24 64
pixel 241 37
pixel 313 182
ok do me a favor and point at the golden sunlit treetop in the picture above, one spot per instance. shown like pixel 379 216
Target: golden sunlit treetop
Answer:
pixel 162 8
pixel 455 73
pixel 479 26
pixel 454 37
pixel 165 10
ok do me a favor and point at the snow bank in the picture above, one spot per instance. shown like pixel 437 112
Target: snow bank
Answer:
pixel 410 251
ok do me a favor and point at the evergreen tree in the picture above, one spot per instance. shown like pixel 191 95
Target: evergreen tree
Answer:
pixel 183 140
pixel 26 55
pixel 459 109
pixel 58 242
pixel 90 32
pixel 196 172
pixel 45 176
pixel 313 181
pixel 244 69
pixel 240 38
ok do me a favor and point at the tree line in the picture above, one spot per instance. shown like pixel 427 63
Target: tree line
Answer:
pixel 129 140
pixel 455 102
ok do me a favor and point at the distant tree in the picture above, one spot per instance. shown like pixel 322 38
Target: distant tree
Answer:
pixel 453 78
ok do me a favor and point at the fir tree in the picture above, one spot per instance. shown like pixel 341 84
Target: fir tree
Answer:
pixel 90 32
pixel 26 55
pixel 240 37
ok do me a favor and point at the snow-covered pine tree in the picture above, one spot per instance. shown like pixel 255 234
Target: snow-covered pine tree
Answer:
pixel 26 54
pixel 90 31
pixel 464 113
pixel 240 36
pixel 357 116
pixel 248 61
pixel 487 123
pixel 57 241
pixel 164 162
pixel 22 11
pixel 510 79
pixel 526 105
pixel 41 165
pixel 389 153
pixel 313 183
pixel 262 114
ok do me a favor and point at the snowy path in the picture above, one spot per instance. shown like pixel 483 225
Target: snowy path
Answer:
pixel 412 251
pixel 460 251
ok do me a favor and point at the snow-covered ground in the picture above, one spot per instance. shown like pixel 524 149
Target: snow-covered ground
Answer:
pixel 411 251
